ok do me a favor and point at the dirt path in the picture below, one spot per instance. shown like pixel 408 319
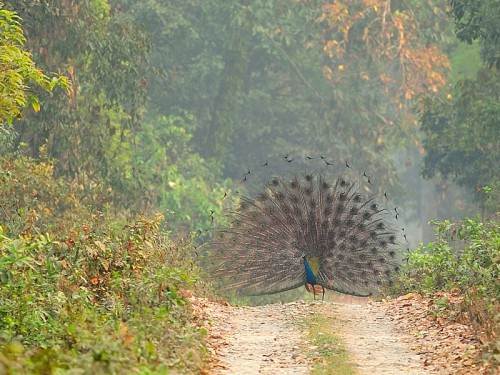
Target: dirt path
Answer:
pixel 268 340
pixel 373 342
pixel 402 336
pixel 259 340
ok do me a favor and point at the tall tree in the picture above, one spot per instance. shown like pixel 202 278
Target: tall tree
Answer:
pixel 91 132
pixel 341 79
pixel 462 126
pixel 266 77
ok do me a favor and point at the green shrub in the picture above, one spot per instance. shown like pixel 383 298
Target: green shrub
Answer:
pixel 107 300
pixel 33 201
pixel 464 259
pixel 465 255
pixel 83 291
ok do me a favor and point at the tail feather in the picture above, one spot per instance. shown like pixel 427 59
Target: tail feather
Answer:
pixel 338 223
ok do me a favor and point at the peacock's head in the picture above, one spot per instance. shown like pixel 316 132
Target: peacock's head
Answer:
pixel 303 256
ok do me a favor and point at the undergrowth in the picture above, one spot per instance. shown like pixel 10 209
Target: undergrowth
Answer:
pixel 463 261
pixel 84 292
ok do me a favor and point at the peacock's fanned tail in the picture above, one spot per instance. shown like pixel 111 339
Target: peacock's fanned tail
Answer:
pixel 344 234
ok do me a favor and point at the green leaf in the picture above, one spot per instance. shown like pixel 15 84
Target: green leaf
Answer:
pixel 35 103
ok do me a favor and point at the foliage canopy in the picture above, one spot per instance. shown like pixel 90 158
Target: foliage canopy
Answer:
pixel 18 71
pixel 462 127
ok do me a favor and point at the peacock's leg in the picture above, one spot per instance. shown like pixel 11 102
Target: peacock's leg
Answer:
pixel 323 297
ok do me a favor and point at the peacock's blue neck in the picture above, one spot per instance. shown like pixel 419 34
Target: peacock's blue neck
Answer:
pixel 310 276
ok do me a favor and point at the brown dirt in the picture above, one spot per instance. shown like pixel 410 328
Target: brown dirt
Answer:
pixel 377 335
pixel 373 342
pixel 258 340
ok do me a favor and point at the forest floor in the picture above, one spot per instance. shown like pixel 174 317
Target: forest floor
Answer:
pixel 400 336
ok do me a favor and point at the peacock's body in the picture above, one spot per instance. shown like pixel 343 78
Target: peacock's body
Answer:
pixel 303 229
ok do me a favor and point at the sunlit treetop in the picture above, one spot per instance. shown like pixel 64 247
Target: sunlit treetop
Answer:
pixel 384 45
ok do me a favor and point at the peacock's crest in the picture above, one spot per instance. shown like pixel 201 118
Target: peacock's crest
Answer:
pixel 305 229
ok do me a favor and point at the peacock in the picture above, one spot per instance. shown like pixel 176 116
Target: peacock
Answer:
pixel 302 228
